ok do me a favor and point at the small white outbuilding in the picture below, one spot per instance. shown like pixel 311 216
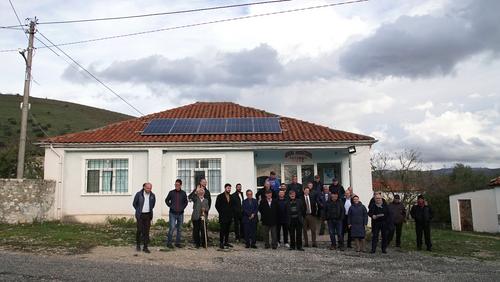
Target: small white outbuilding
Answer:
pixel 478 210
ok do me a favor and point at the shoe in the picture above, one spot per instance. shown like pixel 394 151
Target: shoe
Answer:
pixel 287 245
pixel 398 246
pixel 247 246
pixel 178 245
pixel 372 251
pixel 384 251
pixel 333 248
pixel 228 245
pixel 429 249
pixel 197 246
pixel 274 247
pixel 300 249
pixel 419 248
pixel 266 247
pixel 170 246
pixel 314 245
pixel 254 247
pixel 291 249
pixel 138 248
pixel 349 246
pixel 341 249
pixel 221 246
pixel 306 245
pixel 146 250
pixel 279 244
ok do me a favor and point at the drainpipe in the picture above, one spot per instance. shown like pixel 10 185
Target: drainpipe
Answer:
pixel 59 187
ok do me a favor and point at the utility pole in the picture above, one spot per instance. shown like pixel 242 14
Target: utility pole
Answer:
pixel 25 105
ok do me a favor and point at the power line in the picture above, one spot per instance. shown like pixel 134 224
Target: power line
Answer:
pixel 18 20
pixel 164 13
pixel 90 74
pixel 207 23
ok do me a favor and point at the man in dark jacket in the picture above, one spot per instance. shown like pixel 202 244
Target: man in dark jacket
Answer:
pixel 295 186
pixel 268 209
pixel 203 184
pixel 250 208
pixel 398 213
pixel 225 208
pixel 381 218
pixel 144 203
pixel 336 187
pixel 282 218
pixel 317 185
pixel 322 199
pixel 238 213
pixel 334 213
pixel 422 214
pixel 177 201
pixel 296 211
pixel 310 220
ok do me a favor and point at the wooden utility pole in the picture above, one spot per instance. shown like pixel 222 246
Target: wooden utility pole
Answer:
pixel 25 105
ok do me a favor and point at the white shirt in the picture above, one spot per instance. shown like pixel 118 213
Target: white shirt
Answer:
pixel 347 205
pixel 241 197
pixel 145 207
pixel 308 205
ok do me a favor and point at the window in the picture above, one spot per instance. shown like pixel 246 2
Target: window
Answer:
pixel 106 176
pixel 263 171
pixel 191 171
pixel 329 171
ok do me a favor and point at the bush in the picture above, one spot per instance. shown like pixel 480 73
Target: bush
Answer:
pixel 121 222
pixel 161 223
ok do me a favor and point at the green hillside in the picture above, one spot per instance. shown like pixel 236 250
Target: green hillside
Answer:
pixel 52 116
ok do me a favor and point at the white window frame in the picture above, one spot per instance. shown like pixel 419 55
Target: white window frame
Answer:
pixel 187 156
pixel 84 160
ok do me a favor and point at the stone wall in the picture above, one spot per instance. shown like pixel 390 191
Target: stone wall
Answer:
pixel 26 200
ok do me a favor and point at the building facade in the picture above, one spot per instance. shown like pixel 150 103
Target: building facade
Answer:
pixel 99 171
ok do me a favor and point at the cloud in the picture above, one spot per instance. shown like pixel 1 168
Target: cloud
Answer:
pixel 425 106
pixel 426 45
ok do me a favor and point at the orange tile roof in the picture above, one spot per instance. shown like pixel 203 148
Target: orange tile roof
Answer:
pixel 392 185
pixel 129 131
pixel 495 182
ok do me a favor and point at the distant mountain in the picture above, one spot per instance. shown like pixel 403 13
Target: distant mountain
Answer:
pixel 52 116
pixel 493 172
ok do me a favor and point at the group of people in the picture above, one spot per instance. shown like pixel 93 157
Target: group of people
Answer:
pixel 288 214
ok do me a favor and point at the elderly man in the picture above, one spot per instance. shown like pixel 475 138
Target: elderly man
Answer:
pixel 250 208
pixel 381 218
pixel 268 209
pixel 199 216
pixel 296 212
pixel 295 186
pixel 422 213
pixel 347 201
pixel 398 212
pixel 322 199
pixel 310 221
pixel 144 203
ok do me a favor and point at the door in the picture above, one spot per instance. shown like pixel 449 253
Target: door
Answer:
pixel 465 208
pixel 307 172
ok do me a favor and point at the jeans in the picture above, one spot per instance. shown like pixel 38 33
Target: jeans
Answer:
pixel 335 228
pixel 175 221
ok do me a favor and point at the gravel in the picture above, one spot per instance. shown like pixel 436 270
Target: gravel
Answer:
pixel 189 264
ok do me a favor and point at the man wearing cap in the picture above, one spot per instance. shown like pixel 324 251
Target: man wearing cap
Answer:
pixel 421 212
pixel 398 212
pixel 336 187
pixel 269 209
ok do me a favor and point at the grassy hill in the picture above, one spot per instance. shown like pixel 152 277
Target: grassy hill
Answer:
pixel 54 117
pixel 50 116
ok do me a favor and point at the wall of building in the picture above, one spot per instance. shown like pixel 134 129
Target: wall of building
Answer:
pixel 485 212
pixel 25 201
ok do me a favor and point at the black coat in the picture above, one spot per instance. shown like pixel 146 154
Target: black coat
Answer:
pixel 238 209
pixel 334 210
pixel 421 214
pixel 314 203
pixel 384 209
pixel 261 194
pixel 301 209
pixel 339 189
pixel 297 187
pixel 269 214
pixel 224 208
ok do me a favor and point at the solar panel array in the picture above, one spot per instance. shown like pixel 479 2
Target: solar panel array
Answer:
pixel 169 126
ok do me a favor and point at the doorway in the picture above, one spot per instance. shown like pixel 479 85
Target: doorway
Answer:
pixel 465 213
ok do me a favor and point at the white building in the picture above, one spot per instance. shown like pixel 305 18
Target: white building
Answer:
pixel 99 171
pixel 477 211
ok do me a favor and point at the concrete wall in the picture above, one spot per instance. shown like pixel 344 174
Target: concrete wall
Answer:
pixel 25 201
pixel 485 210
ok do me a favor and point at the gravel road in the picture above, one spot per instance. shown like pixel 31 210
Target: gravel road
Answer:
pixel 239 264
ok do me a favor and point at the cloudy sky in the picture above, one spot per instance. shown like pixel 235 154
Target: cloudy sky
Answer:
pixel 422 74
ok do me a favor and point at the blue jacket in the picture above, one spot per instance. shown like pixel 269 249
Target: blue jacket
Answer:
pixel 275 184
pixel 250 206
pixel 138 203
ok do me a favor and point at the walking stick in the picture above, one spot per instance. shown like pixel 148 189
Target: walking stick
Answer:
pixel 204 227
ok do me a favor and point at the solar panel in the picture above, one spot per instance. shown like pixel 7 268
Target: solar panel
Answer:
pixel 186 125
pixel 159 126
pixel 213 126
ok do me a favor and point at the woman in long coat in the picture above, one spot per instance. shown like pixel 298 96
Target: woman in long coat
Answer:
pixel 357 219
